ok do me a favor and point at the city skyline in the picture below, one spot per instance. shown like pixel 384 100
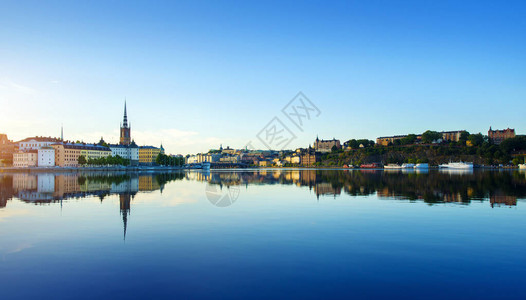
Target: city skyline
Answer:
pixel 126 137
pixel 196 76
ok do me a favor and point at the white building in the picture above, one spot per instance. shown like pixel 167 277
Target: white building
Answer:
pixel 46 157
pixel 35 143
pixel 130 152
pixel 293 159
pixel 192 159
pixel 208 157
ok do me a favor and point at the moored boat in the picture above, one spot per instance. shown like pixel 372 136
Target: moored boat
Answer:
pixel 457 166
pixel 522 166
pixel 408 166
pixel 422 166
pixel 392 166
pixel 371 166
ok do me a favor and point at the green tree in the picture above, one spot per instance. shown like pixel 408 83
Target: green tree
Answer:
pixel 430 136
pixel 476 139
pixel 517 143
pixel 408 140
pixel 82 160
pixel 464 135
pixel 353 144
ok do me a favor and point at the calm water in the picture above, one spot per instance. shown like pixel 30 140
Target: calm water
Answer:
pixel 264 234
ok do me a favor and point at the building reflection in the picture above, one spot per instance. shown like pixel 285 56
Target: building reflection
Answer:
pixel 500 188
pixel 125 205
pixel 503 188
pixel 45 188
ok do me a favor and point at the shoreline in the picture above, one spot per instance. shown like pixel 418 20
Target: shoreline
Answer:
pixel 84 169
pixel 170 169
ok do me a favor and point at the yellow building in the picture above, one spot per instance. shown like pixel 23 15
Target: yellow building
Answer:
pixel 94 151
pixel 148 154
pixel 67 155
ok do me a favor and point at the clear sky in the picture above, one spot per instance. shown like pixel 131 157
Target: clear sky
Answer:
pixel 200 73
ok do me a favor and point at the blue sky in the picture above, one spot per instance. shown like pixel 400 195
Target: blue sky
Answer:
pixel 198 73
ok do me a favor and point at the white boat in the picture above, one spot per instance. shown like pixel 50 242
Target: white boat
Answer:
pixel 457 166
pixel 522 166
pixel 422 166
pixel 408 166
pixel 392 166
pixel 206 166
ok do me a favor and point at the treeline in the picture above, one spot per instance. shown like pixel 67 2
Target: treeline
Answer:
pixel 471 147
pixel 166 160
pixel 104 161
pixel 107 179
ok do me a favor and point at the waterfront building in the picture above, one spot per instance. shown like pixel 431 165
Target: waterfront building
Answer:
pixel 309 157
pixel 293 159
pixel 25 159
pixel 213 157
pixel 130 152
pixel 249 158
pixel 232 159
pixel 35 143
pixel 208 157
pixel 90 151
pixel 387 140
pixel 192 159
pixel 3 139
pixel 148 154
pixel 66 154
pixel 203 157
pixel 264 163
pixel 497 136
pixel 46 157
pixel 125 131
pixel 278 162
pixel 451 136
pixel 7 148
pixel 326 145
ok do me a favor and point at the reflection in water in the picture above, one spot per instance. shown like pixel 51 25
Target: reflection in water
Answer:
pixel 429 186
pixel 501 188
pixel 276 233
pixel 47 188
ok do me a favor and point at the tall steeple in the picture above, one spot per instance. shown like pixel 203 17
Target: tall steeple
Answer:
pixel 62 132
pixel 125 128
pixel 125 120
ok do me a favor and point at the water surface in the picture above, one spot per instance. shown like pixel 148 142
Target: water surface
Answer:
pixel 263 234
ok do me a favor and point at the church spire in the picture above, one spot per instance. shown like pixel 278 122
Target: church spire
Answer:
pixel 125 120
